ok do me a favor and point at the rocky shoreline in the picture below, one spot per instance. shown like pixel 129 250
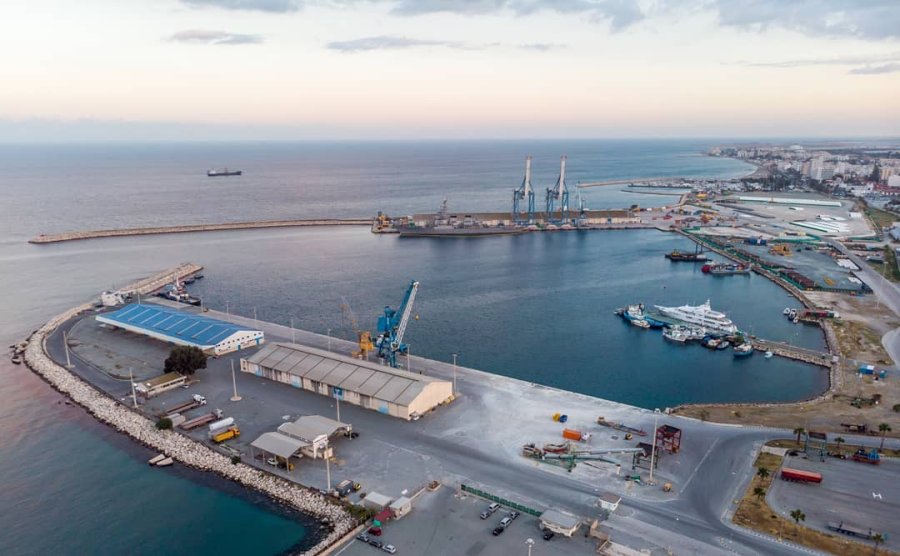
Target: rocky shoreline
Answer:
pixel 171 443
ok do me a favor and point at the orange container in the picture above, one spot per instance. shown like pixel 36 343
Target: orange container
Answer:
pixel 571 434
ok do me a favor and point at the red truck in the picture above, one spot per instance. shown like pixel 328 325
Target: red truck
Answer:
pixel 798 476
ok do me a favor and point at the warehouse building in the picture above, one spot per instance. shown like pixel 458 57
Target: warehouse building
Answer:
pixel 213 336
pixel 390 391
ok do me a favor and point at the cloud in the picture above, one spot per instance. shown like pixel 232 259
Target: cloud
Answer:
pixel 199 36
pixel 387 42
pixel 619 13
pixel 272 6
pixel 865 19
pixel 842 61
pixel 872 70
pixel 542 46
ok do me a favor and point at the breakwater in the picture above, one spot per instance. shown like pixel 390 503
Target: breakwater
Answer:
pixel 92 234
pixel 174 444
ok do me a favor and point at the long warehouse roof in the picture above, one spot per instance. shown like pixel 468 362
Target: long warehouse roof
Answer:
pixel 366 378
pixel 172 323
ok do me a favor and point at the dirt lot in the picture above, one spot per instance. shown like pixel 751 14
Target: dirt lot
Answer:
pixel 863 322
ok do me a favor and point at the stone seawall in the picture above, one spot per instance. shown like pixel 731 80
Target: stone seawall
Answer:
pixel 171 443
pixel 90 234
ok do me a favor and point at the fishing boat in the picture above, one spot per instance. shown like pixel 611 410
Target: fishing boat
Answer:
pixel 743 350
pixel 156 459
pixel 710 342
pixel 724 344
pixel 165 462
pixel 641 323
pixel 681 256
pixel 701 315
pixel 787 311
pixel 16 359
pixel 769 354
pixel 675 334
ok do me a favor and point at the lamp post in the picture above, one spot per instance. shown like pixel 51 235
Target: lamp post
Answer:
pixel 329 339
pixel 529 543
pixel 293 335
pixel 227 312
pixel 66 346
pixel 455 355
pixel 133 393
pixel 653 449
pixel 235 397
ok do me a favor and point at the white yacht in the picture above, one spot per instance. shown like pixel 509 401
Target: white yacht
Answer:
pixel 701 315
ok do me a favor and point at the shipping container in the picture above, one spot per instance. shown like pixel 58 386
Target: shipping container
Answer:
pixel 799 476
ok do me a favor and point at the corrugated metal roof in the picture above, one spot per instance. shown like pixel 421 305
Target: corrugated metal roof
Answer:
pixel 175 324
pixel 278 444
pixel 353 375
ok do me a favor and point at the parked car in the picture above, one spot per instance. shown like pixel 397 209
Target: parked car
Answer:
pixel 505 522
pixel 548 535
pixel 490 510
pixel 389 548
pixel 375 531
pixel 497 530
pixel 376 543
pixel 513 514
pixel 362 537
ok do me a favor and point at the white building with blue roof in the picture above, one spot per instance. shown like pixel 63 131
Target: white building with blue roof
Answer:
pixel 213 336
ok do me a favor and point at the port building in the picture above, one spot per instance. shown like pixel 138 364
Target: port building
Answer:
pixel 213 336
pixel 394 392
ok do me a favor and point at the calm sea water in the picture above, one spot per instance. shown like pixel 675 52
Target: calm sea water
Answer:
pixel 538 307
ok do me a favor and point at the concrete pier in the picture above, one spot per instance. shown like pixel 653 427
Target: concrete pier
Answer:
pixel 91 234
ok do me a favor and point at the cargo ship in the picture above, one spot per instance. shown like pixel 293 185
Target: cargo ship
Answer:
pixel 444 224
pixel 726 269
pixel 680 256
pixel 223 172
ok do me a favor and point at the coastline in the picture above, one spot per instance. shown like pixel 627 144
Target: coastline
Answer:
pixel 185 450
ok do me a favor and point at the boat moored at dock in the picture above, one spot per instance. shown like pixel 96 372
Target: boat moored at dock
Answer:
pixel 444 224
pixel 726 269
pixel 701 315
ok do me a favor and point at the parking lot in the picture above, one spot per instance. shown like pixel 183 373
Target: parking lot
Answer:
pixel 858 494
pixel 443 523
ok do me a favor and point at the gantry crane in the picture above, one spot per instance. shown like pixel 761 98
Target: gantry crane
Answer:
pixel 559 194
pixel 392 326
pixel 524 193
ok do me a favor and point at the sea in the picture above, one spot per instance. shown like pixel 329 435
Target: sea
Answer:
pixel 538 307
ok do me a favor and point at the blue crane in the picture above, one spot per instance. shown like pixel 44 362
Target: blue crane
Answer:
pixel 392 326
pixel 559 194
pixel 524 193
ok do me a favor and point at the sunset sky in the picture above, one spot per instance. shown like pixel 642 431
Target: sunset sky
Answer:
pixel 345 69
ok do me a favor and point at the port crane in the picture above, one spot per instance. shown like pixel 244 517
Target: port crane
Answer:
pixel 524 193
pixel 363 337
pixel 559 193
pixel 392 326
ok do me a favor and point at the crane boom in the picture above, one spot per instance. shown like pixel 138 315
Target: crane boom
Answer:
pixel 392 326
pixel 406 309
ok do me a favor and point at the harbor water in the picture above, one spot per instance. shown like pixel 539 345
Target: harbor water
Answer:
pixel 537 307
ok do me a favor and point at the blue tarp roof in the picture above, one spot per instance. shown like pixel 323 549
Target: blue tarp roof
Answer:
pixel 175 324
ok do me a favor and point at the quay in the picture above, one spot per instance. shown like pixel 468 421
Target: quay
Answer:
pixel 91 234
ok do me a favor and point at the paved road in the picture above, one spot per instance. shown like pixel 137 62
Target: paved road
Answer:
pixel 477 438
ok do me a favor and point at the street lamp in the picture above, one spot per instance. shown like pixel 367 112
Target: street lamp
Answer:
pixel 529 543
pixel 454 372
pixel 235 397
pixel 329 339
pixel 653 449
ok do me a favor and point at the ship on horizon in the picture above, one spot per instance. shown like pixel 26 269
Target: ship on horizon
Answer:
pixel 214 173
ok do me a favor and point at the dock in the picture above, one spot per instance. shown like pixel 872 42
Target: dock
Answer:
pixel 121 232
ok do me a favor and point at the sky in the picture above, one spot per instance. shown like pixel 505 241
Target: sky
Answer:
pixel 410 69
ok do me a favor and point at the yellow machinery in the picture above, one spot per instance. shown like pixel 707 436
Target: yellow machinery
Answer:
pixel 782 249
pixel 363 337
pixel 227 434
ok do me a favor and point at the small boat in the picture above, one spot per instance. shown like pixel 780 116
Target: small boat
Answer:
pixel 223 172
pixel 165 462
pixel 769 354
pixel 16 359
pixel 710 342
pixel 641 323
pixel 787 311
pixel 675 335
pixel 156 459
pixel 725 344
pixel 743 350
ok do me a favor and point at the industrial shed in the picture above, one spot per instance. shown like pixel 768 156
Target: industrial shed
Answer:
pixel 314 430
pixel 280 446
pixel 213 336
pixel 390 391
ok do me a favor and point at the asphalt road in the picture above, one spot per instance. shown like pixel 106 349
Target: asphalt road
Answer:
pixel 476 440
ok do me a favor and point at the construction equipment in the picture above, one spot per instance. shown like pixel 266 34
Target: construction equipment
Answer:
pixel 363 337
pixel 559 193
pixel 524 193
pixel 392 326
pixel 782 249
pixel 620 427
pixel 872 456
pixel 568 460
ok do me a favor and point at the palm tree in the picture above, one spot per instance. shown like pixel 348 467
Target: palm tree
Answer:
pixel 762 472
pixel 884 428
pixel 877 538
pixel 759 492
pixel 798 516
pixel 839 440
pixel 798 431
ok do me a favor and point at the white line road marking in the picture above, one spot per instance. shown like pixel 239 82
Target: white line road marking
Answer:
pixel 876 495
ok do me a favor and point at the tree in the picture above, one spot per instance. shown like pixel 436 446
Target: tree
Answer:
pixel 164 424
pixel 185 360
pixel 762 472
pixel 759 492
pixel 877 538
pixel 839 440
pixel 884 428
pixel 798 516
pixel 798 431
pixel 704 414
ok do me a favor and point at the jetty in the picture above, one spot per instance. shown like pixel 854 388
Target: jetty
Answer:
pixel 91 234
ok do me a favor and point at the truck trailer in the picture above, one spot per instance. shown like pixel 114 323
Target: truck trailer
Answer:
pixel 799 476
pixel 227 434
